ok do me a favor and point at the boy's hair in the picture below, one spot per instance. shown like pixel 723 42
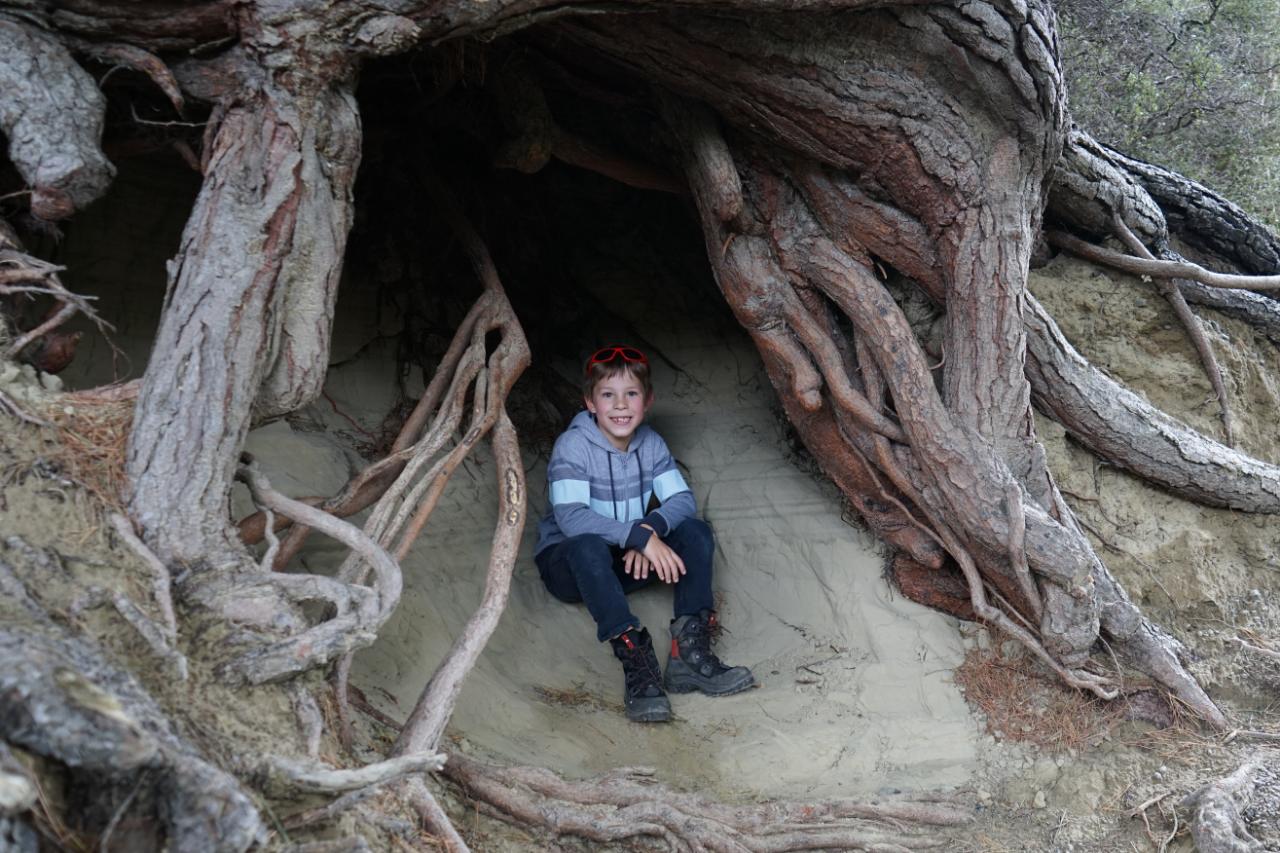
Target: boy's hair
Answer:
pixel 601 371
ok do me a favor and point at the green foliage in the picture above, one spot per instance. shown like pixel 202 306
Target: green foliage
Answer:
pixel 1193 85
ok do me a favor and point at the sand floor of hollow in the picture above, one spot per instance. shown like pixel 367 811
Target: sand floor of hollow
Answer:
pixel 855 692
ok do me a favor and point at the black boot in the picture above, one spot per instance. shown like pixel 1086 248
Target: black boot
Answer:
pixel 645 699
pixel 693 666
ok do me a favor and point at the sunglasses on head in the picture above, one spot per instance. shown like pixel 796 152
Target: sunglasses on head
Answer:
pixel 608 354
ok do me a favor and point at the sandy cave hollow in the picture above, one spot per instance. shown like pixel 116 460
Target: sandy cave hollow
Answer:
pixel 855 693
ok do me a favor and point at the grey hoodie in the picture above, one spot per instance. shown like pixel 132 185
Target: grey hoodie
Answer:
pixel 596 488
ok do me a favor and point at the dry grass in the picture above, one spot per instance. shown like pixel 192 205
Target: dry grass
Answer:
pixel 91 446
pixel 1021 704
pixel 576 698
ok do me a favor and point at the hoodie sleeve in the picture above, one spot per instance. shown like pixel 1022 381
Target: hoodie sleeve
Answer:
pixel 570 487
pixel 677 499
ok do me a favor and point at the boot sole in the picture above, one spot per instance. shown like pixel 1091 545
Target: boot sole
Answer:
pixel 690 683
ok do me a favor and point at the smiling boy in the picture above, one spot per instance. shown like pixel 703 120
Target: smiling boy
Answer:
pixel 621 517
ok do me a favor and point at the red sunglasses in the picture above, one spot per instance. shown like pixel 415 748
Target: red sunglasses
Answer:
pixel 608 354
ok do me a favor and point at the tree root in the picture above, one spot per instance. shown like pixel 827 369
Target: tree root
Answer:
pixel 1157 268
pixel 310 720
pixel 157 637
pixel 434 817
pixel 1124 429
pixel 60 698
pixel 359 610
pixel 160 580
pixel 431 712
pixel 1169 289
pixel 285 776
pixel 52 114
pixel 1216 823
pixel 628 803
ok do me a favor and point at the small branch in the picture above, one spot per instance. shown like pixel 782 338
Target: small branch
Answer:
pixel 160 579
pixel 291 776
pixel 10 406
pixel 309 718
pixel 434 817
pixel 131 613
pixel 1160 269
pixel 628 804
pixel 386 569
pixel 28 268
pixel 1169 289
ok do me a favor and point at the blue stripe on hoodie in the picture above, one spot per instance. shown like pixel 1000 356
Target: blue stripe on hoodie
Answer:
pixel 596 488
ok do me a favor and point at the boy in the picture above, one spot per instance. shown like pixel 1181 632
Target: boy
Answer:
pixel 620 516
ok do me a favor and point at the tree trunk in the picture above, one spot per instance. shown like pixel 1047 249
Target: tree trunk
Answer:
pixel 238 340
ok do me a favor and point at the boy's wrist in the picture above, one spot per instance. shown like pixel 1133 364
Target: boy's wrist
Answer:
pixel 655 522
pixel 639 536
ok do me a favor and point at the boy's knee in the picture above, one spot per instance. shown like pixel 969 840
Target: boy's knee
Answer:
pixel 696 533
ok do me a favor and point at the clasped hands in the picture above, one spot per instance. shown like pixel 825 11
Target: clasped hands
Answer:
pixel 657 557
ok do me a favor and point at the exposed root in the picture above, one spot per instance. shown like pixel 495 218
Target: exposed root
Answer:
pixel 431 712
pixel 629 804
pixel 310 720
pixel 1272 654
pixel 434 817
pixel 52 115
pixel 1169 289
pixel 157 637
pixel 386 570
pixel 1157 268
pixel 160 580
pixel 11 407
pixel 135 58
pixel 434 706
pixel 1018 549
pixel 340 682
pixel 289 776
pixel 1216 823
pixel 62 699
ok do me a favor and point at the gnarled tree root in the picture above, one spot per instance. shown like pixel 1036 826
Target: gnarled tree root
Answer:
pixel 628 803
pixel 1121 427
pixel 62 699
pixel 52 114
pixel 1216 823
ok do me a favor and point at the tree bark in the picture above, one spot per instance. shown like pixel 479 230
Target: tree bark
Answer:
pixel 239 338
pixel 52 115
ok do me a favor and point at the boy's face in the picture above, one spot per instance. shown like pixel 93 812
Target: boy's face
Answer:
pixel 619 404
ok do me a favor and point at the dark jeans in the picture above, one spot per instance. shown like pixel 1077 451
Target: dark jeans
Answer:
pixel 589 569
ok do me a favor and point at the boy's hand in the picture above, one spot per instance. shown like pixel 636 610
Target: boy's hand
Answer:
pixel 666 562
pixel 636 564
